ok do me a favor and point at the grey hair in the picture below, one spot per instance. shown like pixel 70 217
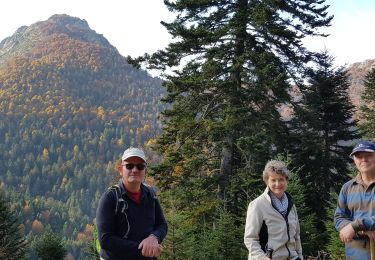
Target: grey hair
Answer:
pixel 276 167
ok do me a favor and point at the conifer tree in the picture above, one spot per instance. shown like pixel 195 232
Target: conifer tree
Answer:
pixel 50 246
pixel 335 247
pixel 323 131
pixel 12 244
pixel 179 229
pixel 368 108
pixel 226 74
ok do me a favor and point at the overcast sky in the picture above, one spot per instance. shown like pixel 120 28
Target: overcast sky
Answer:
pixel 133 26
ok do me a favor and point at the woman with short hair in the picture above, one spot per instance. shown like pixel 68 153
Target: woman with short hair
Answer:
pixel 272 228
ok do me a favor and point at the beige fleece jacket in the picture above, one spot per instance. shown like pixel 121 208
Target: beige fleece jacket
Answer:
pixel 283 236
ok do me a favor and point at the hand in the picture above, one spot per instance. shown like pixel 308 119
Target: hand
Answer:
pixel 150 247
pixel 347 233
pixel 266 258
pixel 371 234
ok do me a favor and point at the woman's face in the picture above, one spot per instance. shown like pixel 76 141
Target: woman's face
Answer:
pixel 277 183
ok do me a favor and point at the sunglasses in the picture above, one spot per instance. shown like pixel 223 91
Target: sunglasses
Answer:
pixel 130 166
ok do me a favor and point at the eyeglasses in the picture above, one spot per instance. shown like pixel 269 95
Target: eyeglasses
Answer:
pixel 130 166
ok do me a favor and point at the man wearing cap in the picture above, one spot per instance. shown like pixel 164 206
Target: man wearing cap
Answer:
pixel 130 221
pixel 355 212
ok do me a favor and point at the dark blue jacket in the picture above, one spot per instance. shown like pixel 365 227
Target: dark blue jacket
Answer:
pixel 136 223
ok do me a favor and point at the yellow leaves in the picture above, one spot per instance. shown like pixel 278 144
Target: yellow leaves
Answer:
pixel 151 142
pixel 60 65
pixel 178 171
pixel 120 142
pixel 87 234
pixel 146 127
pixel 45 153
pixel 101 113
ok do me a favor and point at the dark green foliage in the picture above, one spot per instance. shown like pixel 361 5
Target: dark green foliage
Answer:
pixel 227 73
pixel 236 56
pixel 310 237
pixel 93 246
pixel 179 229
pixel 368 109
pixel 50 246
pixel 220 238
pixel 335 247
pixel 322 132
pixel 12 244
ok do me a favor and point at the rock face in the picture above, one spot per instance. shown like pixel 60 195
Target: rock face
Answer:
pixel 27 37
pixel 357 73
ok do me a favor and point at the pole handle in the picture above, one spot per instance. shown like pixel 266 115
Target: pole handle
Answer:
pixel 372 249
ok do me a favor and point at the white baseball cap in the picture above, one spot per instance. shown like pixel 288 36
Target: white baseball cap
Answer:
pixel 133 152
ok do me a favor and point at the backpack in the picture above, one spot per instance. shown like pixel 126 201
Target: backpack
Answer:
pixel 122 205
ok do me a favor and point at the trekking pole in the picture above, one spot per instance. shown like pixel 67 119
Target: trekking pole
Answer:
pixel 372 249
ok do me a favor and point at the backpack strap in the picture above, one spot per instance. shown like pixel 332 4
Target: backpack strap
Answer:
pixel 119 200
pixel 152 190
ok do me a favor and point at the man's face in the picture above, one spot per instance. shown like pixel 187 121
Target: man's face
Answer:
pixel 133 171
pixel 365 162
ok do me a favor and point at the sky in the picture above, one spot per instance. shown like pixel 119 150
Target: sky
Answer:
pixel 133 26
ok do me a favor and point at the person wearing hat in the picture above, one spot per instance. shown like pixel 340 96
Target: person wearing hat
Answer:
pixel 355 212
pixel 131 224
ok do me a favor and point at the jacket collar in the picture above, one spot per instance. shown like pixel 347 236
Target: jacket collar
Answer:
pixel 123 190
pixel 358 179
pixel 268 197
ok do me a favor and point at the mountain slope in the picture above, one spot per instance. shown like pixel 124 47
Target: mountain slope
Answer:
pixel 357 73
pixel 69 106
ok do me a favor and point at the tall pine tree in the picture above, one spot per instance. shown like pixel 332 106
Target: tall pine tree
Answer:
pixel 323 131
pixel 227 72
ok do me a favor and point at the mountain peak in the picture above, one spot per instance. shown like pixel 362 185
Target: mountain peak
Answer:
pixel 73 27
pixel 27 37
pixel 64 19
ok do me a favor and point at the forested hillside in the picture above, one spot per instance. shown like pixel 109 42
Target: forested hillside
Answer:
pixel 69 106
